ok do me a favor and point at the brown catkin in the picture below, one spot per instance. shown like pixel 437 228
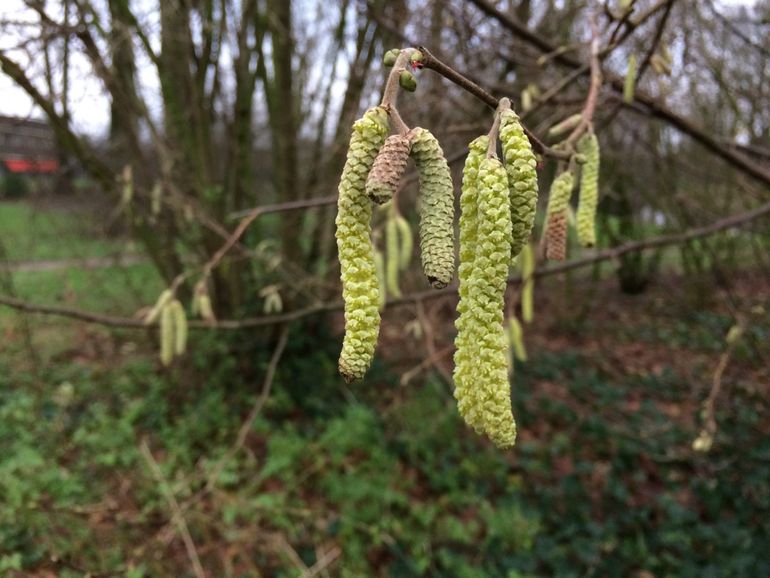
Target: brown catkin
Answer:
pixel 556 227
pixel 389 165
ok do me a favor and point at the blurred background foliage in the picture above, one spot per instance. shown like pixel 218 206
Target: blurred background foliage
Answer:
pixel 114 466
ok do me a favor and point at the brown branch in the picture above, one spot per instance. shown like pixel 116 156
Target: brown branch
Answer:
pixel 648 104
pixel 430 62
pixel 234 324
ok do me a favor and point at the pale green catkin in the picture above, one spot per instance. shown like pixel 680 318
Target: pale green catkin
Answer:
pixel 521 168
pixel 382 182
pixel 406 243
pixel 566 125
pixel 180 327
pixel 465 355
pixel 163 299
pixel 392 256
pixel 360 287
pixel 483 373
pixel 379 267
pixel 556 215
pixel 528 283
pixel 166 335
pixel 589 190
pixel 516 338
pixel 629 84
pixel 436 205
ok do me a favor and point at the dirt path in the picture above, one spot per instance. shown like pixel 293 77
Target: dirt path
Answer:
pixel 88 263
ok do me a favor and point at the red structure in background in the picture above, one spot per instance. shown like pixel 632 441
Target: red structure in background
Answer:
pixel 35 167
pixel 27 146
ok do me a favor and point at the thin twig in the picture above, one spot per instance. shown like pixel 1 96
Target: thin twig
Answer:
pixel 176 512
pixel 430 62
pixel 611 254
pixel 322 563
pixel 243 432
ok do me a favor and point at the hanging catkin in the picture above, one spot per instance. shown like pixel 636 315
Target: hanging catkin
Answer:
pixel 516 337
pixel 589 190
pixel 465 352
pixel 379 267
pixel 406 243
pixel 556 227
pixel 436 204
pixel 166 334
pixel 360 287
pixel 388 168
pixel 392 256
pixel 484 390
pixel 528 283
pixel 180 327
pixel 521 167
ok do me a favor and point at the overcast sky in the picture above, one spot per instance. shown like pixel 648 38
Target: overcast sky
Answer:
pixel 90 107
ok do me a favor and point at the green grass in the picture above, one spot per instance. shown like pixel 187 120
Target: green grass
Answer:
pixel 117 290
pixel 33 234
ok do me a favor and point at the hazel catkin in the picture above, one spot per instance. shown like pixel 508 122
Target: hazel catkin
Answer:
pixel 521 168
pixel 483 390
pixel 389 165
pixel 436 206
pixel 556 215
pixel 406 242
pixel 166 335
pixel 589 190
pixel 392 256
pixel 464 357
pixel 360 287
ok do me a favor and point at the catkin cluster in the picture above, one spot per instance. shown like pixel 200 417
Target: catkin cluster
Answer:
pixel 360 286
pixel 482 388
pixel 521 167
pixel 388 167
pixel 173 326
pixel 556 225
pixel 436 206
pixel 589 190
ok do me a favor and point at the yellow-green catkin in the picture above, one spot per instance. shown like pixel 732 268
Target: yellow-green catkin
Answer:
pixel 180 327
pixel 166 335
pixel 379 267
pixel 528 283
pixel 406 242
pixel 629 84
pixel 360 286
pixel 556 215
pixel 465 355
pixel 521 168
pixel 436 205
pixel 389 165
pixel 566 125
pixel 163 299
pixel 483 391
pixel 589 190
pixel 516 338
pixel 392 256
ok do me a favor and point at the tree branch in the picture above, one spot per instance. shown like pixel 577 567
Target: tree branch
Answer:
pixel 234 324
pixel 649 104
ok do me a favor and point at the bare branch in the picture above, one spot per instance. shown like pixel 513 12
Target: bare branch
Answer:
pixel 234 324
